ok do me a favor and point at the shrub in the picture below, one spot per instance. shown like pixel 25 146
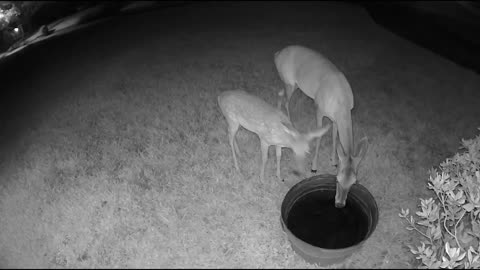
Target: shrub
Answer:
pixel 449 223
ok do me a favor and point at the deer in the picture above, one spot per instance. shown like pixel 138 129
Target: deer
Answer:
pixel 271 125
pixel 319 79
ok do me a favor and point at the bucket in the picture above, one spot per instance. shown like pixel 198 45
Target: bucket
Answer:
pixel 317 230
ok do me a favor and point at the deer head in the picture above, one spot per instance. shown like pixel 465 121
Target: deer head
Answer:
pixel 347 171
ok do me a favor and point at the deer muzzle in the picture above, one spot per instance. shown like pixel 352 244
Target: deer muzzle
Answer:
pixel 341 196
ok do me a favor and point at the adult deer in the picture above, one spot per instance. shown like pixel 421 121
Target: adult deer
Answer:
pixel 271 125
pixel 318 78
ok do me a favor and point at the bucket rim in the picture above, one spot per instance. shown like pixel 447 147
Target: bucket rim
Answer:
pixel 328 180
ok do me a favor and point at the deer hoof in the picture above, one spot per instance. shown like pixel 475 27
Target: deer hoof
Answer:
pixel 314 171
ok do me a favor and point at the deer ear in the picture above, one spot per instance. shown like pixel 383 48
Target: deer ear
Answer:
pixel 318 133
pixel 341 153
pixel 288 127
pixel 362 148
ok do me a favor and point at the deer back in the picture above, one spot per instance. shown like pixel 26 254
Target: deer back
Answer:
pixel 256 115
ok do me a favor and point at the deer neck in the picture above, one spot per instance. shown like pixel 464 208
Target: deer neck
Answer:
pixel 344 123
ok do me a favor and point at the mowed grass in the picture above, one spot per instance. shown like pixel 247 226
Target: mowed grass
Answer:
pixel 124 160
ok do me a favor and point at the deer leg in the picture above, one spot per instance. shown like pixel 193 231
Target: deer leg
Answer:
pixel 232 130
pixel 264 148
pixel 280 99
pixel 334 157
pixel 278 152
pixel 236 145
pixel 317 142
pixel 289 92
pixel 281 96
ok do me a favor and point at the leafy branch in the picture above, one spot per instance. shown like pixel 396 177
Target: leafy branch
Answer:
pixel 450 222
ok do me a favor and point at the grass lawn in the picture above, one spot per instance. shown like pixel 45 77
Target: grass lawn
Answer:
pixel 114 152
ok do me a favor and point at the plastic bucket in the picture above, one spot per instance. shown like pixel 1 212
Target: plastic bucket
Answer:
pixel 321 233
